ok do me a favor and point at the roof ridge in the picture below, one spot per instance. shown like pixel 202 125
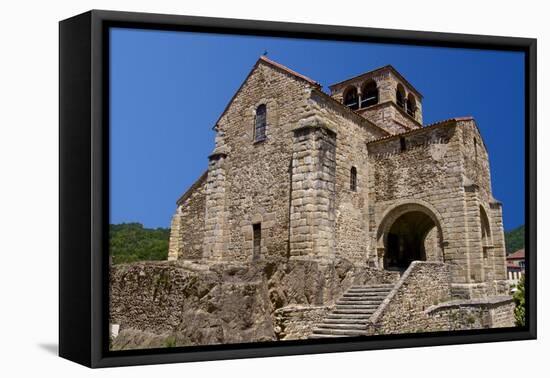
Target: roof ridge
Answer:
pixel 438 123
pixel 290 71
pixel 388 67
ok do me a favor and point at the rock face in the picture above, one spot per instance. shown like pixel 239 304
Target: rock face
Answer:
pixel 178 304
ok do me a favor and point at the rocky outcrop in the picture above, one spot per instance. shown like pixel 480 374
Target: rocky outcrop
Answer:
pixel 163 304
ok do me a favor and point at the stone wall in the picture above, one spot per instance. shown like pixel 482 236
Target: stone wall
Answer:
pixel 297 322
pixel 256 174
pixel 313 192
pixel 424 284
pixel 390 117
pixel 427 169
pixel 350 210
pixel 187 227
pixel 491 312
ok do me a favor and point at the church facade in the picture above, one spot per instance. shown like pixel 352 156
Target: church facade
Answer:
pixel 301 175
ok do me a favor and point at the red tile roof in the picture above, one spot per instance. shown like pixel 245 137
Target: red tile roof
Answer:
pixel 517 255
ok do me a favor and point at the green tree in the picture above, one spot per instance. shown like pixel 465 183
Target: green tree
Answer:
pixel 515 239
pixel 519 300
pixel 130 242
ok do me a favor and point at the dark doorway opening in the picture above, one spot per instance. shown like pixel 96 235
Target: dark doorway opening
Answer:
pixel 406 240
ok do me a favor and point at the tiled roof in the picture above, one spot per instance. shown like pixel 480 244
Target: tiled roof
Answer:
pixel 517 255
pixel 368 73
pixel 435 124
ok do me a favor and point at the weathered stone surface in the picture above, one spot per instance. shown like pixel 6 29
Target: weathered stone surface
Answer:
pixel 424 284
pixel 194 304
pixel 490 312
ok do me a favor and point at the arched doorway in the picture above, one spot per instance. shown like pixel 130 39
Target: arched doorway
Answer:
pixel 408 233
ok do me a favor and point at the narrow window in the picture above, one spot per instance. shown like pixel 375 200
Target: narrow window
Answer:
pixel 475 149
pixel 260 123
pixel 402 144
pixel 257 234
pixel 351 99
pixel 353 179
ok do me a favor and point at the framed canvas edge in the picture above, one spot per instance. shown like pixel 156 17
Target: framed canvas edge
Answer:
pixel 96 325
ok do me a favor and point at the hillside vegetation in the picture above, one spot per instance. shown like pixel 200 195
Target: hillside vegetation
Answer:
pixel 130 242
pixel 515 239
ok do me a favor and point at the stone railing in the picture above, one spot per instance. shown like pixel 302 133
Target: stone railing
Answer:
pixel 422 285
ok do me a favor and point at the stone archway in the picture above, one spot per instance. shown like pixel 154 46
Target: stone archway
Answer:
pixel 409 232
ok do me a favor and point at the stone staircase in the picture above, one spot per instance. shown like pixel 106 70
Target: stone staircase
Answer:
pixel 352 311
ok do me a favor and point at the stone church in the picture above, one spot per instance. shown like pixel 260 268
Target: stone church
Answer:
pixel 301 175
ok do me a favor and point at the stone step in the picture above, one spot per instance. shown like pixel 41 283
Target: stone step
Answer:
pixel 352 311
pixel 345 321
pixel 343 314
pixel 367 293
pixel 355 317
pixel 361 288
pixel 356 307
pixel 347 332
pixel 353 327
pixel 378 286
pixel 323 335
pixel 364 302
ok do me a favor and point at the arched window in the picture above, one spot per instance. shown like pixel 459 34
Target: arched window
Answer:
pixel 260 123
pixel 351 99
pixel 411 105
pixel 400 96
pixel 353 179
pixel 369 95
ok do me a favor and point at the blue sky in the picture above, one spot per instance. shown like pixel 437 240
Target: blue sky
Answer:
pixel 169 88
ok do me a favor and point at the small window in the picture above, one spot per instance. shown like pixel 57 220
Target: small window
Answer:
pixel 475 149
pixel 351 100
pixel 260 123
pixel 257 235
pixel 369 96
pixel 353 179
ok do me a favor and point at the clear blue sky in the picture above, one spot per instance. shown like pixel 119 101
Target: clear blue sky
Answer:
pixel 168 89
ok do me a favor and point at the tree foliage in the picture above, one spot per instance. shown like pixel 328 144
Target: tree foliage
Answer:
pixel 519 300
pixel 515 239
pixel 129 242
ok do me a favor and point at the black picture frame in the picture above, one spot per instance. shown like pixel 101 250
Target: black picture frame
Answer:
pixel 84 186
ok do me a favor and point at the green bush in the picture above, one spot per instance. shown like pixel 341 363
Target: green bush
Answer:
pixel 519 300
